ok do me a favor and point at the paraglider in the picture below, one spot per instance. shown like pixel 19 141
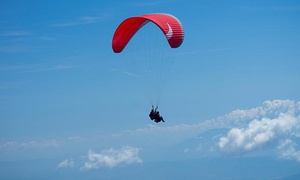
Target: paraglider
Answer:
pixel 169 25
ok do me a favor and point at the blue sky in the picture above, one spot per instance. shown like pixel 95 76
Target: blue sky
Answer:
pixel 69 105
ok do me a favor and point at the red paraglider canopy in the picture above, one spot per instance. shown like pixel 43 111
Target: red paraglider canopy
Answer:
pixel 170 26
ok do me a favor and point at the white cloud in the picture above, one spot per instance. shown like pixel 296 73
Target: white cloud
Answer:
pixel 257 134
pixel 269 109
pixel 270 124
pixel 68 163
pixel 288 150
pixel 111 158
pixel 13 145
pixel 8 145
pixel 41 144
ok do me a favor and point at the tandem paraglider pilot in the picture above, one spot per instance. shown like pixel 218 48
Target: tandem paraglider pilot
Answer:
pixel 154 115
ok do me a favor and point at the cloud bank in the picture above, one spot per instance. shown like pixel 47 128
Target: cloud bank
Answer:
pixel 112 158
pixel 271 125
pixel 258 133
